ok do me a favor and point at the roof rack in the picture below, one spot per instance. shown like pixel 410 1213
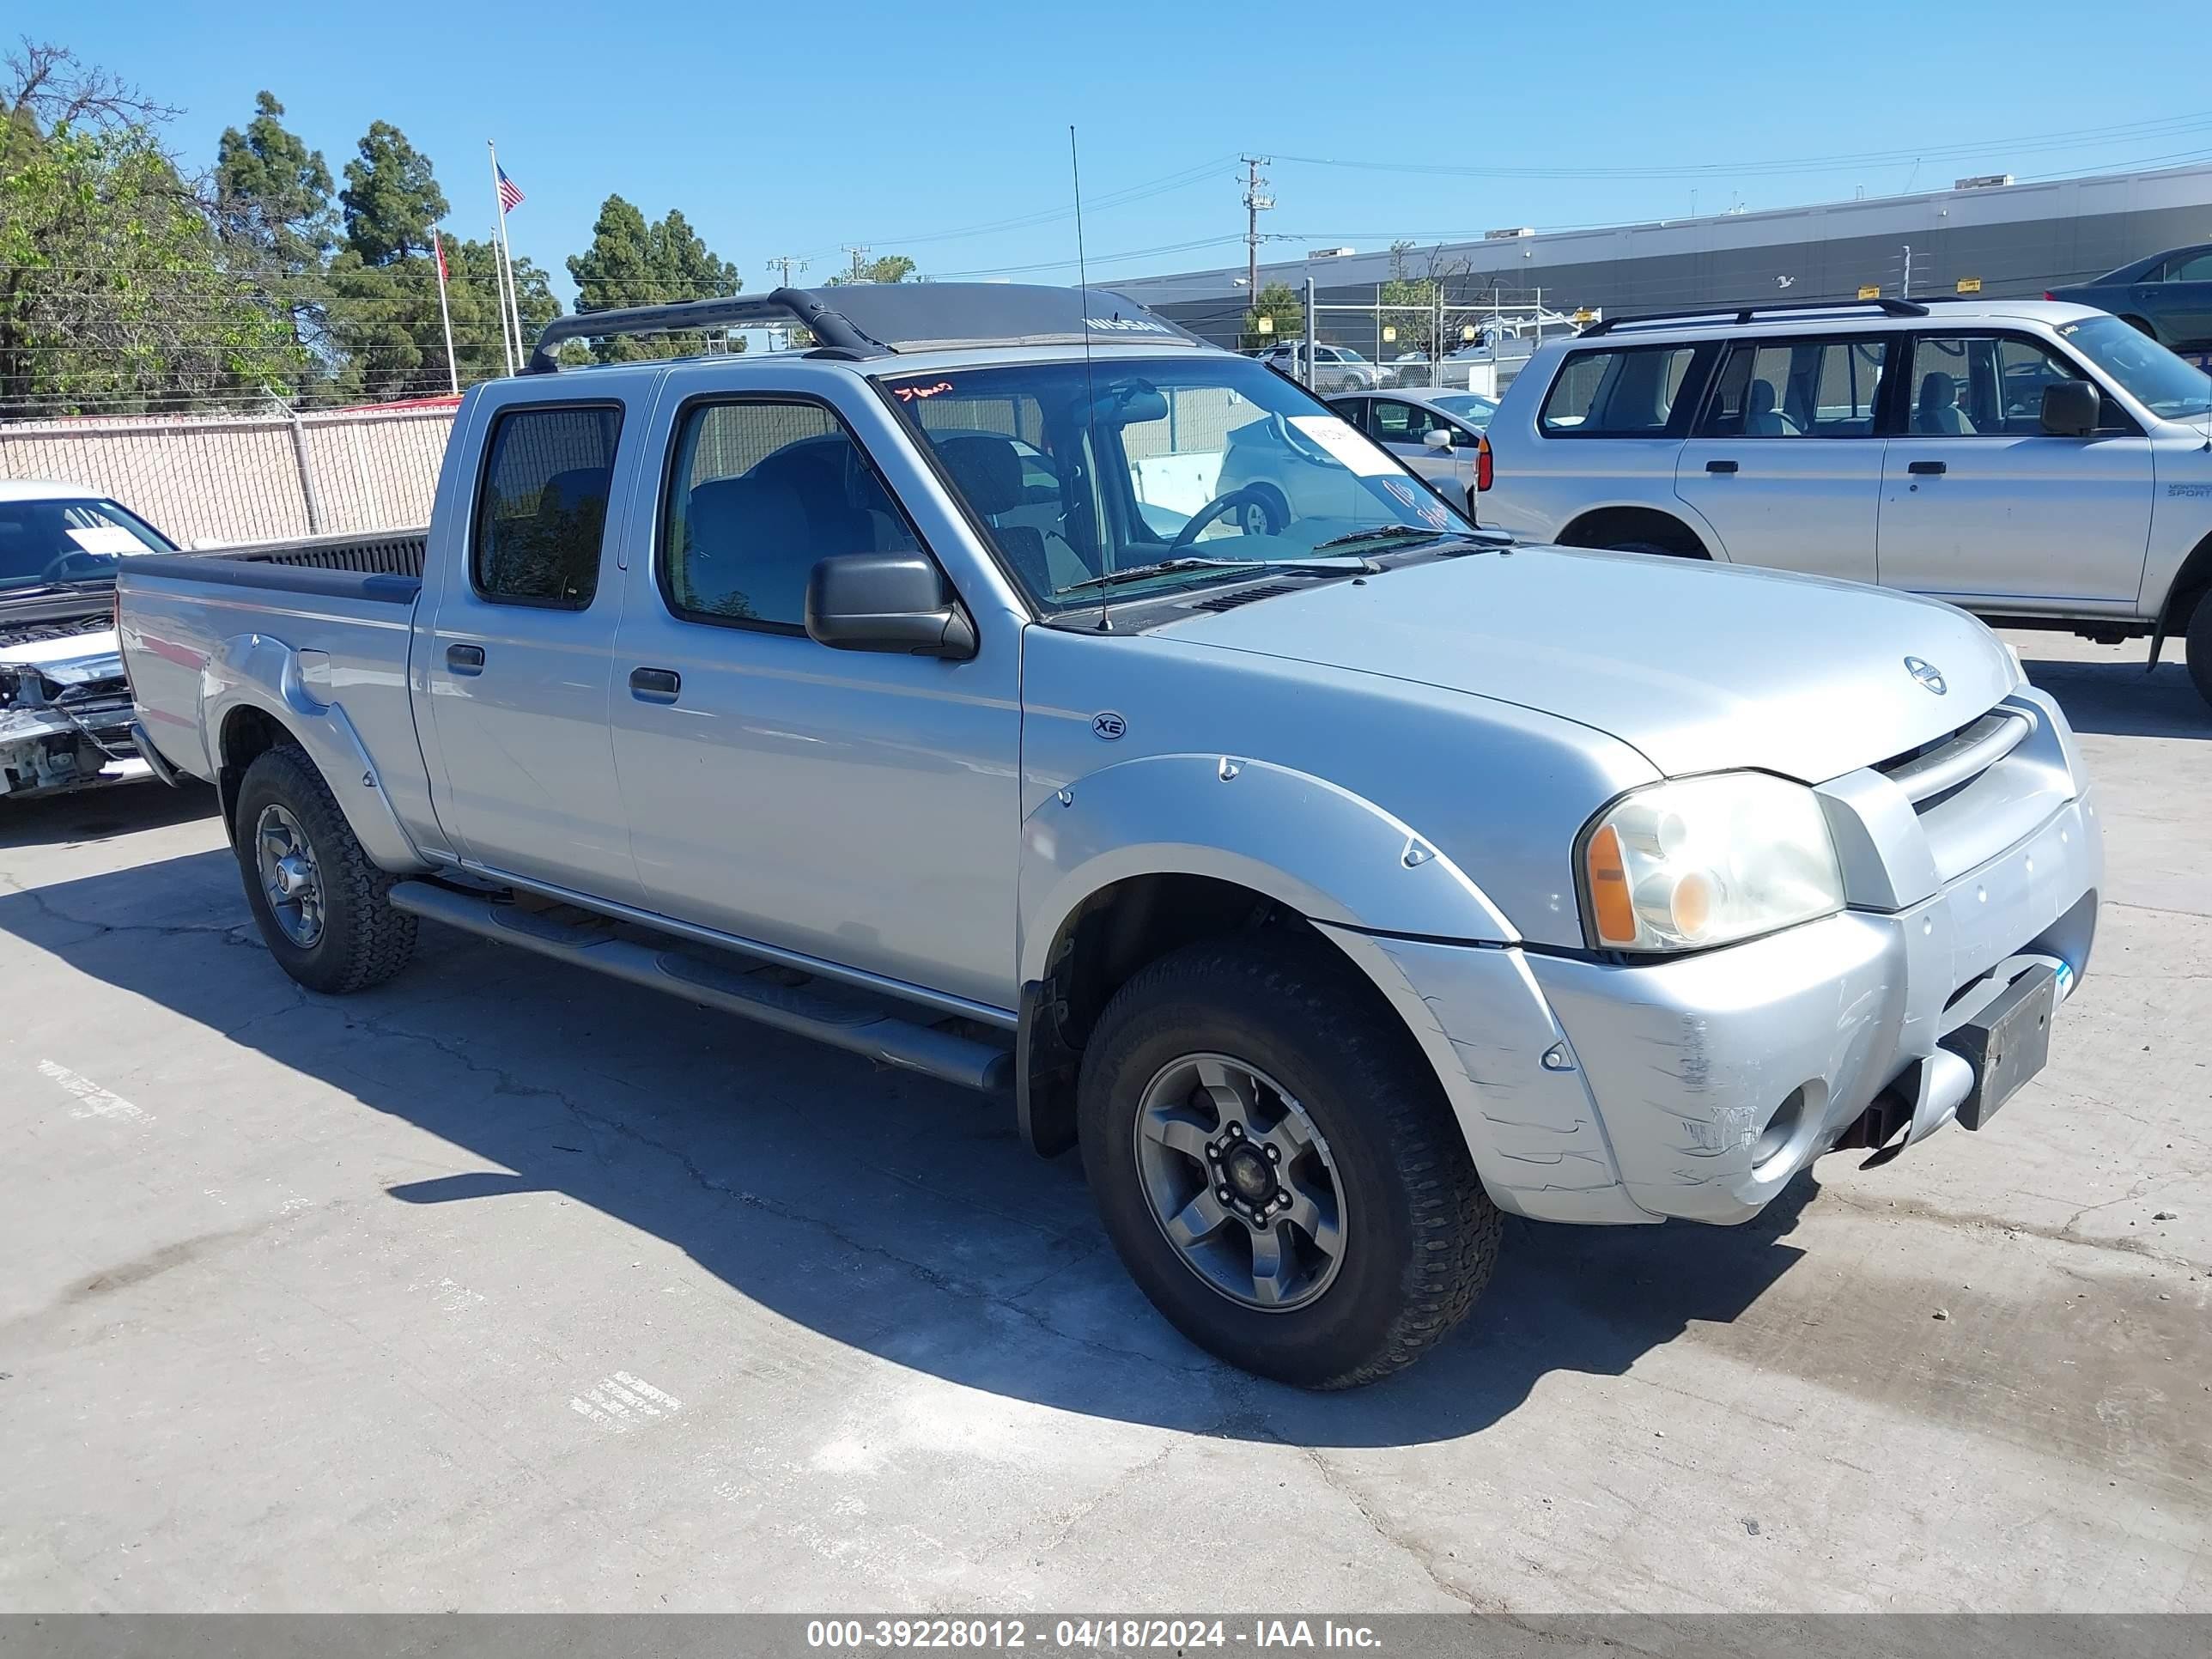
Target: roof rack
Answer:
pixel 879 320
pixel 1743 314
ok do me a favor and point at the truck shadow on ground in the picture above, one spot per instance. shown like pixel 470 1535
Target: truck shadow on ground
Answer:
pixel 890 1214
pixel 100 814
pixel 2118 699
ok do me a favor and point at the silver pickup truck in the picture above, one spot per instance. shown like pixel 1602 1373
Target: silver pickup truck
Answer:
pixel 1337 877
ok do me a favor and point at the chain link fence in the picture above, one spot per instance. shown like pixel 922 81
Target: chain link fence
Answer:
pixel 219 480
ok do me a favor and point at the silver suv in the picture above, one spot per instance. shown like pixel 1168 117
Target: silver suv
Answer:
pixel 1335 369
pixel 2022 458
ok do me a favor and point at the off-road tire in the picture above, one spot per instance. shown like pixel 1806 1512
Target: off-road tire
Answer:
pixel 1421 1236
pixel 2198 643
pixel 364 941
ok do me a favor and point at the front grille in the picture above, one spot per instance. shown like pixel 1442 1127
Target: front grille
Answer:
pixel 1937 770
pixel 1985 786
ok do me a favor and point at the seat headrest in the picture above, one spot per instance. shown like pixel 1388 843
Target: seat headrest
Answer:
pixel 1938 389
pixel 569 491
pixel 987 469
pixel 748 515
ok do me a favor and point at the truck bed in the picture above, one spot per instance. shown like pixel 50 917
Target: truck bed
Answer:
pixel 339 610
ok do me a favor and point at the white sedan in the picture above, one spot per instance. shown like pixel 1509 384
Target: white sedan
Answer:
pixel 1438 433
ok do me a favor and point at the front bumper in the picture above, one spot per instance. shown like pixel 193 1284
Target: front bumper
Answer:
pixel 1601 1091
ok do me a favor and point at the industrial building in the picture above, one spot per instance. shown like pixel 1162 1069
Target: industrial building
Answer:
pixel 1990 235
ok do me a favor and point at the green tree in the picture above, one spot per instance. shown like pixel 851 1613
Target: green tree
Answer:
pixel 276 190
pixel 117 291
pixel 1286 313
pixel 890 268
pixel 390 197
pixel 632 263
pixel 384 328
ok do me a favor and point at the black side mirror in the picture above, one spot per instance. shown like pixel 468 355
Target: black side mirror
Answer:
pixel 2069 409
pixel 886 602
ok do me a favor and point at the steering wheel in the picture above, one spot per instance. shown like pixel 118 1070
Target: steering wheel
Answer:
pixel 59 570
pixel 1263 517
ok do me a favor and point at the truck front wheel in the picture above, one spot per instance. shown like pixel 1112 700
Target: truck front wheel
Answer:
pixel 1277 1166
pixel 321 903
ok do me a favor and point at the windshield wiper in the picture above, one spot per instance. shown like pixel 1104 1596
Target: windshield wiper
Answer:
pixel 1388 531
pixel 1350 566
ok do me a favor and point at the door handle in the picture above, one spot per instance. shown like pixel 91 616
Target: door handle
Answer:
pixel 1720 466
pixel 1926 469
pixel 465 659
pixel 656 684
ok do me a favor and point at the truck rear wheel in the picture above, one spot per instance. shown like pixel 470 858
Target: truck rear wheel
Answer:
pixel 1277 1167
pixel 321 905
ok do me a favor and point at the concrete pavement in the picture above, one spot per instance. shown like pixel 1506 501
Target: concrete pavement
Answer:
pixel 508 1287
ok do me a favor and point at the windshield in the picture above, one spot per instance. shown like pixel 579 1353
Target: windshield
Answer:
pixel 1470 406
pixel 2171 389
pixel 45 543
pixel 1078 471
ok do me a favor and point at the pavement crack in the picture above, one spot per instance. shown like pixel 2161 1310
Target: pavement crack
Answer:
pixel 1915 1210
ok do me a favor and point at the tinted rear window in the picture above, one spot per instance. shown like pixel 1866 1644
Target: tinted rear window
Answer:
pixel 543 511
pixel 1625 391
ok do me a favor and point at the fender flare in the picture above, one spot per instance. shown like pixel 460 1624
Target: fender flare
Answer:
pixel 1333 856
pixel 252 670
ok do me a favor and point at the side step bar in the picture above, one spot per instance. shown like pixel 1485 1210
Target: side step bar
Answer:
pixel 737 986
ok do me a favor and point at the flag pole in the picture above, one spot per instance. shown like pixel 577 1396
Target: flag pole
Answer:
pixel 507 340
pixel 445 311
pixel 499 290
pixel 514 294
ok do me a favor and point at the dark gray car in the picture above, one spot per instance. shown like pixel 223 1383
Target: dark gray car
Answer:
pixel 2168 296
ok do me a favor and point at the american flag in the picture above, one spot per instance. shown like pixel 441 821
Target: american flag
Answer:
pixel 510 194
pixel 438 246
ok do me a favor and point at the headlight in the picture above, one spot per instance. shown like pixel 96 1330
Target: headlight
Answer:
pixel 1679 867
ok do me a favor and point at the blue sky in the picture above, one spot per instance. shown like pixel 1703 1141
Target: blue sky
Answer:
pixel 899 124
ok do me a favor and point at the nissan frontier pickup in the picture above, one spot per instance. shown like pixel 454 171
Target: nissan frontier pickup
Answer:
pixel 1336 876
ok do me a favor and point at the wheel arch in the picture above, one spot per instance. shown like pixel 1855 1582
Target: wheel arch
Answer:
pixel 1606 527
pixel 2191 585
pixel 259 699
pixel 1104 895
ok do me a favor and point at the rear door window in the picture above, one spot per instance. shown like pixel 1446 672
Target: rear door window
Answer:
pixel 1624 392
pixel 1796 389
pixel 541 513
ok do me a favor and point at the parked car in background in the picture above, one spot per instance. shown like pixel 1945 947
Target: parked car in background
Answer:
pixel 1336 368
pixel 1335 880
pixel 2043 464
pixel 64 704
pixel 1438 435
pixel 2168 296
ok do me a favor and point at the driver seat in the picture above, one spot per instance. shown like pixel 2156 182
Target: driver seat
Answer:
pixel 988 471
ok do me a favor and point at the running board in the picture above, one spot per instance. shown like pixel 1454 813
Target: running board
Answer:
pixel 739 986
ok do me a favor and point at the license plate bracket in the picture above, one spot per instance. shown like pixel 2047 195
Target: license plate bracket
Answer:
pixel 2006 1043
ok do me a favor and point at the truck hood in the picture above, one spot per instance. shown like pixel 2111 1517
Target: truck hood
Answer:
pixel 1700 667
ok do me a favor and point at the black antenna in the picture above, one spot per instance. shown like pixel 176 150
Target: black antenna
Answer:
pixel 1090 390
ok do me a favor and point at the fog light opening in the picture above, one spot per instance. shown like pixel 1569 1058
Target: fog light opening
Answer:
pixel 1780 1134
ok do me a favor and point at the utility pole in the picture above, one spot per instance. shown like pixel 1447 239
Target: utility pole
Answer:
pixel 858 255
pixel 787 263
pixel 1254 205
